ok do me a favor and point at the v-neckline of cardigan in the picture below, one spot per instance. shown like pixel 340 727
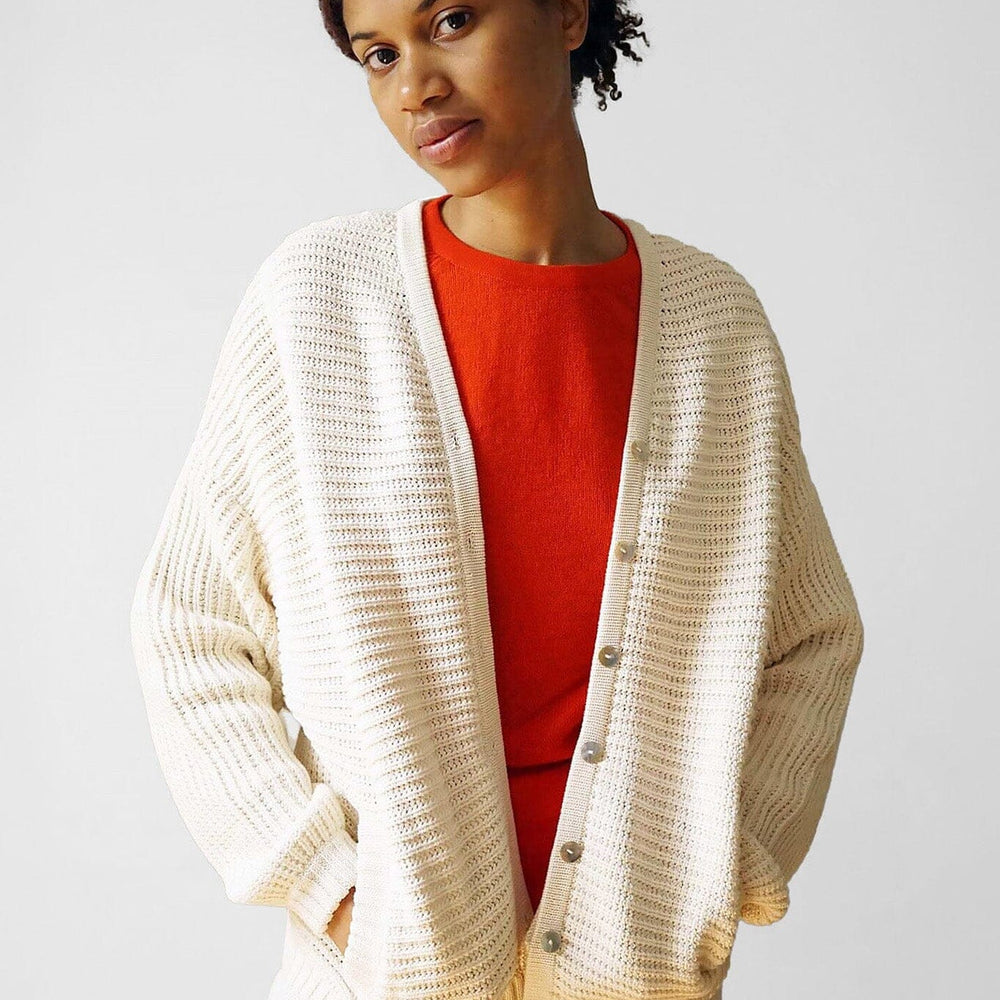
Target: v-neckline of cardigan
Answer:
pixel 411 248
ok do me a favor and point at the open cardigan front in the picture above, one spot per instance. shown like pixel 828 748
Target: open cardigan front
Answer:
pixel 322 553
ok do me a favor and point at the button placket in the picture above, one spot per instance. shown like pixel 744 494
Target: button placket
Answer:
pixel 656 297
pixel 609 655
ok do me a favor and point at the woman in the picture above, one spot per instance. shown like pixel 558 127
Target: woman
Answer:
pixel 502 497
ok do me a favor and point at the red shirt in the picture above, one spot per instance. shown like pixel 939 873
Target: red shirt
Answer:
pixel 543 357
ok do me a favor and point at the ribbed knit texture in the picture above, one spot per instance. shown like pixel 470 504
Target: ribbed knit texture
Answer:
pixel 543 359
pixel 322 550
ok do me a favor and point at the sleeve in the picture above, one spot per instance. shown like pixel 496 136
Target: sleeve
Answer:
pixel 814 644
pixel 204 631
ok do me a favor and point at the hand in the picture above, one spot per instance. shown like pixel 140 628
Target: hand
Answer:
pixel 340 922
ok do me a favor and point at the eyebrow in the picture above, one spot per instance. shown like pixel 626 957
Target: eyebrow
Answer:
pixel 420 8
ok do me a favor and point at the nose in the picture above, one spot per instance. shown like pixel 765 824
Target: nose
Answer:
pixel 419 80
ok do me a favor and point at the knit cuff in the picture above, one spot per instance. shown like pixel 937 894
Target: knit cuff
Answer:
pixel 325 882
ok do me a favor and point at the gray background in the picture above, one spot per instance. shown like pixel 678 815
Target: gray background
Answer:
pixel 842 156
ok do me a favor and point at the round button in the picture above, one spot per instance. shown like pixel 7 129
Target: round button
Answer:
pixel 551 940
pixel 571 850
pixel 592 751
pixel 638 448
pixel 609 655
pixel 625 550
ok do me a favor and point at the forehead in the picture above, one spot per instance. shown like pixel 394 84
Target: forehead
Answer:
pixel 374 10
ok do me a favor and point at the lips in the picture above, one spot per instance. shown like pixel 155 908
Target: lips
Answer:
pixel 437 129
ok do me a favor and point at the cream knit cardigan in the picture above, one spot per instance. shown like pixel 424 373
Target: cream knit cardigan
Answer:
pixel 322 552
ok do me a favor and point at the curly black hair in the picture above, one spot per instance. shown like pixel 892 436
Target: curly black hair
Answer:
pixel 610 27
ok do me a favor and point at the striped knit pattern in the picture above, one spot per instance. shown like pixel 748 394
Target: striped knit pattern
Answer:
pixel 321 552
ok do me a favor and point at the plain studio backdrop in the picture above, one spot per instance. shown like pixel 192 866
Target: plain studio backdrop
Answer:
pixel 842 156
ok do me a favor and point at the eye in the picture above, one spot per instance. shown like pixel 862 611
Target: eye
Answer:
pixel 366 64
pixel 374 52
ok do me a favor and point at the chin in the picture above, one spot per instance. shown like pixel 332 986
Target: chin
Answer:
pixel 459 187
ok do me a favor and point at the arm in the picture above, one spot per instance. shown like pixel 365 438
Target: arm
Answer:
pixel 814 645
pixel 204 636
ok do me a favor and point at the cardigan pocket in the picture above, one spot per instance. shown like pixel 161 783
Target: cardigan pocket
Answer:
pixel 355 960
pixel 337 956
pixel 717 935
pixel 311 965
pixel 333 953
pixel 715 946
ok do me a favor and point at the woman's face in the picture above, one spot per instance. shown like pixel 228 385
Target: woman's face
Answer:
pixel 503 63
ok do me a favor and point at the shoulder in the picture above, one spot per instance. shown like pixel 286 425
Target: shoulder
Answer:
pixel 311 270
pixel 703 276
pixel 355 242
pixel 703 288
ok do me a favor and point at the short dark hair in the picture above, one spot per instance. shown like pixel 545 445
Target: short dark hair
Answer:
pixel 610 27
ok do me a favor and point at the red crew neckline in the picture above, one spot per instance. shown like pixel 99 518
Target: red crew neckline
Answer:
pixel 447 244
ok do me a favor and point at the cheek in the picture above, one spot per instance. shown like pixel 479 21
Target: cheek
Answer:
pixel 512 86
pixel 394 123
